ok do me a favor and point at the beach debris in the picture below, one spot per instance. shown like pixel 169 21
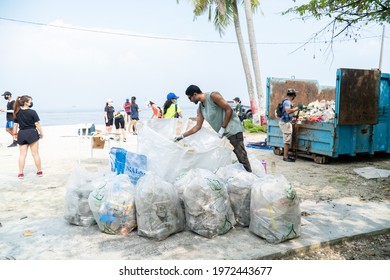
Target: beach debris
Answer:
pixel 158 209
pixel 116 214
pixel 239 185
pixel 78 188
pixel 275 212
pixel 27 233
pixel 207 205
pixel 318 111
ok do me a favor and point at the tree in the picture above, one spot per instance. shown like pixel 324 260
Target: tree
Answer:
pixel 222 13
pixel 346 16
pixel 250 7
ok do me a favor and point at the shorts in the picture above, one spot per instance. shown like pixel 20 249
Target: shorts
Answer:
pixel 110 122
pixel 27 136
pixel 286 128
pixel 119 123
pixel 135 119
pixel 9 124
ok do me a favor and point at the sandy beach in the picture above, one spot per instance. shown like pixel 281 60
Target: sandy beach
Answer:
pixel 24 202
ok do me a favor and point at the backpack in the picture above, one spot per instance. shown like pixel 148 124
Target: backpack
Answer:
pixel 279 109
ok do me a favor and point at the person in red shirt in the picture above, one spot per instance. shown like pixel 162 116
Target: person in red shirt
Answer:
pixel 126 106
pixel 156 110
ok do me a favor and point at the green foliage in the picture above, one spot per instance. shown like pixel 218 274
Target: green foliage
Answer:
pixel 353 11
pixel 345 15
pixel 252 128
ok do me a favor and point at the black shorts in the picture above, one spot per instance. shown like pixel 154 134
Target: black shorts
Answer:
pixel 27 136
pixel 119 123
pixel 110 122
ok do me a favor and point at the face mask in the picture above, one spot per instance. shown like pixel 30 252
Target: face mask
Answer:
pixel 31 104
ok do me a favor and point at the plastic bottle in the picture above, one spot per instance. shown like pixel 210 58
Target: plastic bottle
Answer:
pixel 265 165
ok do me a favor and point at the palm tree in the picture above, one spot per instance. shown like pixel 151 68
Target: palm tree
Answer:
pixel 250 7
pixel 225 11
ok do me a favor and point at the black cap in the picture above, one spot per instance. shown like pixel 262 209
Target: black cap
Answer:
pixel 237 99
pixel 6 93
pixel 291 92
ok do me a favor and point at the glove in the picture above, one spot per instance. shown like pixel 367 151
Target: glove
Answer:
pixel 178 138
pixel 300 106
pixel 221 132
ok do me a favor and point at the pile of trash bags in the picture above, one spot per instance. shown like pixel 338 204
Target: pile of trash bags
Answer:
pixel 318 111
pixel 207 201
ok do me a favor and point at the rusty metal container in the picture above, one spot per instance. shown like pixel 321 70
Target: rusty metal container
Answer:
pixel 361 123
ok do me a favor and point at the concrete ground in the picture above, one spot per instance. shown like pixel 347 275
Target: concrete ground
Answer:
pixel 323 223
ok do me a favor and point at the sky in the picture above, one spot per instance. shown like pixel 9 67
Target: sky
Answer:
pixel 150 48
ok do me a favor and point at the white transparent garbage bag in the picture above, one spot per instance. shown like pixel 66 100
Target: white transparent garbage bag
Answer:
pixel 207 205
pixel 239 184
pixel 158 209
pixel 78 188
pixel 168 159
pixel 275 210
pixel 117 210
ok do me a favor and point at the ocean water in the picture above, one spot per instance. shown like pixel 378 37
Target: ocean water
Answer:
pixel 73 116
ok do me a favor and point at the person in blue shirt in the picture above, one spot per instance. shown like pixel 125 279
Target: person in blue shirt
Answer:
pixel 9 126
pixel 134 115
pixel 285 122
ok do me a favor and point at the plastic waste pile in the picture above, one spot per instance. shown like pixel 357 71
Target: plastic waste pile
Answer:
pixel 159 213
pixel 182 195
pixel 318 111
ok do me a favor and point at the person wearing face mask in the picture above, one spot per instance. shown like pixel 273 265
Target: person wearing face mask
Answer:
pixel 171 109
pixel 9 126
pixel 30 131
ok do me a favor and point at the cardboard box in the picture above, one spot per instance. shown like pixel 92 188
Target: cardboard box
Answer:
pixel 98 142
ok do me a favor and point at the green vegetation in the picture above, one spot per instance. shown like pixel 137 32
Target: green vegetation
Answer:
pixel 252 128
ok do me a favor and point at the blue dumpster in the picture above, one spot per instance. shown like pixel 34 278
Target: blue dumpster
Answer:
pixel 361 123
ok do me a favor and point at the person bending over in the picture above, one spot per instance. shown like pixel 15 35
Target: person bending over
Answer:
pixel 216 111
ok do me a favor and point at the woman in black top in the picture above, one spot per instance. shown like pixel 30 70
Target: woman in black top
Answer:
pixel 30 131
pixel 109 115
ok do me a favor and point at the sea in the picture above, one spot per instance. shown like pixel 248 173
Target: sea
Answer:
pixel 77 116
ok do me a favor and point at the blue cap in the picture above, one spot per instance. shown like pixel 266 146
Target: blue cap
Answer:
pixel 171 95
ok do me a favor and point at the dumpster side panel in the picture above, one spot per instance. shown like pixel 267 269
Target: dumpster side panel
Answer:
pixel 382 129
pixel 334 139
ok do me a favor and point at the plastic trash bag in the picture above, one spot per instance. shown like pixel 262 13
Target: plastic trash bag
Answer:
pixel 275 212
pixel 168 160
pixel 125 162
pixel 158 209
pixel 239 185
pixel 95 198
pixel 207 205
pixel 78 188
pixel 117 210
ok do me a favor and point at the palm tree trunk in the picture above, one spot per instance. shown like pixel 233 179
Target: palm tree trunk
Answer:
pixel 245 63
pixel 255 58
